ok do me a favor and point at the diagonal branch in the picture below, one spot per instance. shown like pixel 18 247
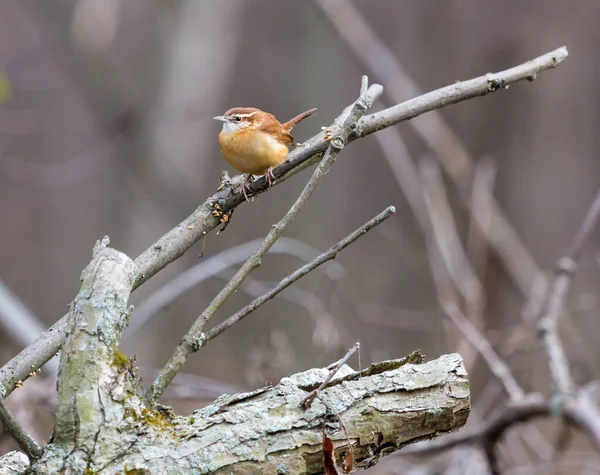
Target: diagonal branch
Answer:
pixel 22 438
pixel 451 269
pixel 496 365
pixel 559 367
pixel 213 266
pixel 333 369
pixel 331 253
pixel 193 340
pixel 177 241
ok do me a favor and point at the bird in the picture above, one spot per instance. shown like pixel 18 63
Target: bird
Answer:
pixel 253 141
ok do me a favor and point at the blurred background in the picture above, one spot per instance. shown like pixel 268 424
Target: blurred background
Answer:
pixel 106 129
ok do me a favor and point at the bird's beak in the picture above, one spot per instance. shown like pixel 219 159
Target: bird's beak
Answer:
pixel 222 118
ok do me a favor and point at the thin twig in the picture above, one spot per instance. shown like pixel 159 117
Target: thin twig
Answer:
pixel 211 267
pixel 559 366
pixel 455 267
pixel 192 341
pixel 445 246
pixel 12 426
pixel 307 401
pixel 331 253
pixel 476 244
pixel 445 233
pixel 177 241
pixel 497 366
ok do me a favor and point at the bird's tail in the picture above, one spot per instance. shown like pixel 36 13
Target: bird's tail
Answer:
pixel 290 124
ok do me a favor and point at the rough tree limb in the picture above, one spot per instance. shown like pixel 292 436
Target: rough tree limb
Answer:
pixel 104 427
pixel 177 241
pixel 13 463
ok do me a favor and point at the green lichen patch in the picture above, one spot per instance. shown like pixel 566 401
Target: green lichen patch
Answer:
pixel 120 361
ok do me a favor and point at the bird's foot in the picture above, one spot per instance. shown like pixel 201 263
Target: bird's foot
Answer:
pixel 270 177
pixel 246 185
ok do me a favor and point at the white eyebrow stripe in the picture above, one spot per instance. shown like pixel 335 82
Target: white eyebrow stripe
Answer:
pixel 246 115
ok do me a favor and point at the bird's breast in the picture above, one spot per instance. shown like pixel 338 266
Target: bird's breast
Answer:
pixel 252 151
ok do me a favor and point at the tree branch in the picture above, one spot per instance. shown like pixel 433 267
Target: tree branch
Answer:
pixel 193 340
pixel 331 253
pixel 176 242
pixel 89 359
pixel 23 439
pixel 383 408
pixel 559 366
pixel 213 267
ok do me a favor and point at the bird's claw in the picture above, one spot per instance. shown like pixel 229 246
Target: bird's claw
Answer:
pixel 270 176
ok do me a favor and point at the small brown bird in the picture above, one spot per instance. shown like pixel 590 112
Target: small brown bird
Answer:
pixel 253 141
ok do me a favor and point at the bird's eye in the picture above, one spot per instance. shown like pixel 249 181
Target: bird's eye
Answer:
pixel 237 118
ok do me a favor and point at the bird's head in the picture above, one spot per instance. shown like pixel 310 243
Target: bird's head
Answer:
pixel 240 118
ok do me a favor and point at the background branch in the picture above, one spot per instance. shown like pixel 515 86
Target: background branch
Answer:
pixel 331 253
pixel 213 266
pixel 578 407
pixel 548 324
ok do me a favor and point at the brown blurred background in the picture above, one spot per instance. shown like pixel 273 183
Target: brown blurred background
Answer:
pixel 106 128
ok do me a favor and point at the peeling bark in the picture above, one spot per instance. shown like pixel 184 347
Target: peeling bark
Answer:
pixel 13 463
pixel 103 425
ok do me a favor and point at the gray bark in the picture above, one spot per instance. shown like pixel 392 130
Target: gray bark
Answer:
pixel 103 426
pixel 13 463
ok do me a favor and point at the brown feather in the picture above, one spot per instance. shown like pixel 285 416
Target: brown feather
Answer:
pixel 241 110
pixel 261 144
pixel 290 124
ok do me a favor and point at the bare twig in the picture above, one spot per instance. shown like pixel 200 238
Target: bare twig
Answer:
pixel 176 242
pixel 445 234
pixel 12 426
pixel 481 198
pixel 331 253
pixel 498 367
pixel 211 267
pixel 559 366
pixel 192 341
pixel 454 265
pixel 307 401
pixel 447 253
